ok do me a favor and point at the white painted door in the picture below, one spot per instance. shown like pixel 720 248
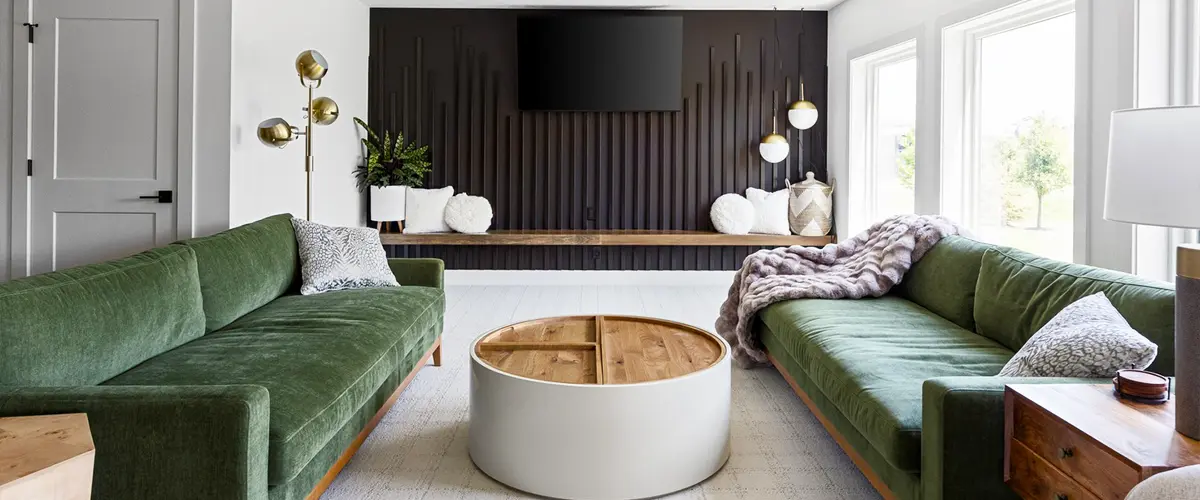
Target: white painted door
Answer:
pixel 104 129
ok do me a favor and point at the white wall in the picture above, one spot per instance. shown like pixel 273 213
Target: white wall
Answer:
pixel 1105 66
pixel 267 36
pixel 210 149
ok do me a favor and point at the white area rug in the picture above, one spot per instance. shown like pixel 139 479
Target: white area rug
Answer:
pixel 419 449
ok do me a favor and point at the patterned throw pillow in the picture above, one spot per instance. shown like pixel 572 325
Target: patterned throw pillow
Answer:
pixel 340 258
pixel 1088 338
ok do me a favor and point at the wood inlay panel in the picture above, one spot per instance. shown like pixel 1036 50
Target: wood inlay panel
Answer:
pixel 579 329
pixel 574 366
pixel 446 78
pixel 627 350
pixel 641 351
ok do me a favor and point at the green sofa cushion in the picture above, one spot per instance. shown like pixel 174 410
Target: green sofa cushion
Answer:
pixel 1018 292
pixel 84 325
pixel 321 358
pixel 943 281
pixel 870 357
pixel 246 267
pixel 905 485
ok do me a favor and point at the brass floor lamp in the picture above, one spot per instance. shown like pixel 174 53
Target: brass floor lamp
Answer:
pixel 278 133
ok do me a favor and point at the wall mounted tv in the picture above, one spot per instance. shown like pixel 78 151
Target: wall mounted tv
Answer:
pixel 600 62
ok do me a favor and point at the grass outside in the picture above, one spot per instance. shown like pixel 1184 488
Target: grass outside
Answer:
pixel 1053 240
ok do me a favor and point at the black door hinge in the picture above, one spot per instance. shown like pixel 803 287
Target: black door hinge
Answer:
pixel 31 26
pixel 29 167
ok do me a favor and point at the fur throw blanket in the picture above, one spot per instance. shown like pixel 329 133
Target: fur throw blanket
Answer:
pixel 867 265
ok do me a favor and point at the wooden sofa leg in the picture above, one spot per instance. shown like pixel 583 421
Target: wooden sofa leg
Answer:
pixel 437 353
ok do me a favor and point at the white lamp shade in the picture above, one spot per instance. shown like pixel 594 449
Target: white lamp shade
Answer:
pixel 1154 167
pixel 803 118
pixel 774 151
pixel 387 203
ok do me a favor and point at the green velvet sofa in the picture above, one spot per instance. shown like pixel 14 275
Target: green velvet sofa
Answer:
pixel 906 382
pixel 202 371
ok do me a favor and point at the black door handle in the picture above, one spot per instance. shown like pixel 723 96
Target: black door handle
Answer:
pixel 164 196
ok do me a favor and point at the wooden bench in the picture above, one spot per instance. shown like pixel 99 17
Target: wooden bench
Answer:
pixel 605 238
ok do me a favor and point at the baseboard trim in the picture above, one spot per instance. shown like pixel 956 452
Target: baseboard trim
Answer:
pixel 858 460
pixel 434 353
pixel 591 278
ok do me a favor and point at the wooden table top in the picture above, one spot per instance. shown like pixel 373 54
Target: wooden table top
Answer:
pixel 1141 435
pixel 31 444
pixel 600 349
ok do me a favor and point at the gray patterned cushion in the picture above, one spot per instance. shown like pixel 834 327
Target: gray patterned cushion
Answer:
pixel 1088 338
pixel 340 258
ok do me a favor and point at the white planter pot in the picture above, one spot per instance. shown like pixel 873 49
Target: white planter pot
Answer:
pixel 387 203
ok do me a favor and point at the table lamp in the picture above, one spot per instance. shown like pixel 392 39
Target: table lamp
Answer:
pixel 1154 179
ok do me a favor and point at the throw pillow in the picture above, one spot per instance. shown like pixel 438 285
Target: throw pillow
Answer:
pixel 770 211
pixel 340 258
pixel 1088 339
pixel 425 210
pixel 469 214
pixel 732 214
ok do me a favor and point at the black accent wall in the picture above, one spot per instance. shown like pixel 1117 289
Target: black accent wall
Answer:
pixel 447 78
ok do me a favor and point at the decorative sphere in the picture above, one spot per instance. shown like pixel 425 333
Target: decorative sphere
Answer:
pixel 469 214
pixel 732 214
pixel 803 115
pixel 774 148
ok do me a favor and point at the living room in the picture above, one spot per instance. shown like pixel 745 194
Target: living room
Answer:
pixel 814 249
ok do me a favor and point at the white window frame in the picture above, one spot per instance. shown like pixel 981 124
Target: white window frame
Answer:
pixel 1167 72
pixel 864 127
pixel 962 44
pixel 962 100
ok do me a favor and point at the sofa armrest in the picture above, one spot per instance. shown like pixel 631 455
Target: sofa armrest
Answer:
pixel 418 272
pixel 153 442
pixel 962 435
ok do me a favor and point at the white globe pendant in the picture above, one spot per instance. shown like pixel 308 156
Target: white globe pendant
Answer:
pixel 774 148
pixel 803 114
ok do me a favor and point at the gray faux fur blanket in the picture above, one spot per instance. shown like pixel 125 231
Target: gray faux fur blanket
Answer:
pixel 867 265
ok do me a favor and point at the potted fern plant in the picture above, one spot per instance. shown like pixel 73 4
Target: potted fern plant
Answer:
pixel 389 168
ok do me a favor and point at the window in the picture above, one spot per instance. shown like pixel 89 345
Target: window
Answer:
pixel 1008 126
pixel 883 111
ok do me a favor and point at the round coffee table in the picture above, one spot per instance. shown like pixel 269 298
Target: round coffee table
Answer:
pixel 599 407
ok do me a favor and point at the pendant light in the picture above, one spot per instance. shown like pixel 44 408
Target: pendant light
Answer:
pixel 802 114
pixel 773 147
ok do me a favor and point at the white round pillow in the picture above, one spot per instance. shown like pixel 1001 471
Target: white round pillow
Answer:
pixel 732 214
pixel 469 214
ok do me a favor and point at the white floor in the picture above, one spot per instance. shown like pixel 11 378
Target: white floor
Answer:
pixel 419 450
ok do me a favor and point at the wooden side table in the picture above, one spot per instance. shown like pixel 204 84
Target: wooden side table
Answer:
pixel 1080 442
pixel 46 457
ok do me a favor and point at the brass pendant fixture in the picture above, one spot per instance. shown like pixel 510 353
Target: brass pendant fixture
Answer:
pixel 803 114
pixel 773 147
pixel 278 133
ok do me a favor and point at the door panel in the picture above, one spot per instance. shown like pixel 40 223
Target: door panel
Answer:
pixel 105 125
pixel 86 237
pixel 89 106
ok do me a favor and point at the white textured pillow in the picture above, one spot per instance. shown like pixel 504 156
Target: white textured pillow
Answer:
pixel 1088 339
pixel 340 258
pixel 425 210
pixel 732 214
pixel 469 214
pixel 770 211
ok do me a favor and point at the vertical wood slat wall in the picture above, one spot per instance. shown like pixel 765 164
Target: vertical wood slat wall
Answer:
pixel 447 78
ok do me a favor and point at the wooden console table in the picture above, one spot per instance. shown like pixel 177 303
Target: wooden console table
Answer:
pixel 605 238
pixel 1079 442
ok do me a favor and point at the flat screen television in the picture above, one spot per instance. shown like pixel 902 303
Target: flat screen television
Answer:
pixel 600 62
